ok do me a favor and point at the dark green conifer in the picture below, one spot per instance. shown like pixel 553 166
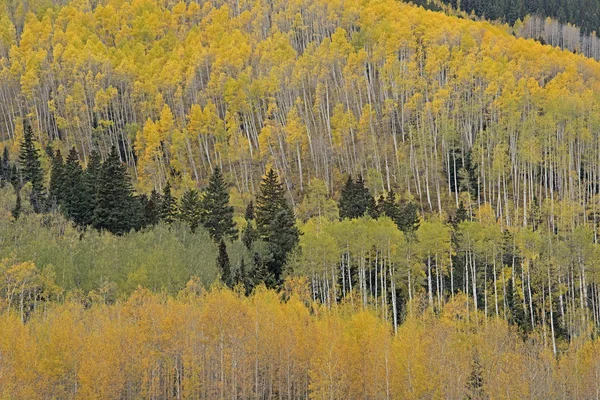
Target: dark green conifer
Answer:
pixel 57 180
pixel 216 213
pixel 356 200
pixel 5 170
pixel 408 217
pixel 91 179
pixel 168 207
pixel 116 209
pixel 275 223
pixel 74 198
pixel 224 264
pixel 152 209
pixel 31 168
pixel 189 209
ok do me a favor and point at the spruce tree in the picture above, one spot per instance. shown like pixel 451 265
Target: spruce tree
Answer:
pixel 224 264
pixel 16 212
pixel 408 218
pixel 275 223
pixel 57 180
pixel 390 207
pixel 189 209
pixel 152 209
pixel 5 170
pixel 216 213
pixel 168 207
pixel 75 201
pixel 356 200
pixel 31 169
pixel 91 179
pixel 249 233
pixel 116 207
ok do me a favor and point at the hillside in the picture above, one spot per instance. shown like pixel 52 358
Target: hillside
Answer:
pixel 209 190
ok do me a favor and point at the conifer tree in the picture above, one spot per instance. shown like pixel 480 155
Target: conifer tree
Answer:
pixel 91 179
pixel 189 209
pixel 408 217
pixel 356 200
pixel 74 198
pixel 389 207
pixel 275 223
pixel 57 181
pixel 224 264
pixel 16 212
pixel 168 207
pixel 5 170
pixel 249 234
pixel 31 169
pixel 116 209
pixel 152 209
pixel 216 213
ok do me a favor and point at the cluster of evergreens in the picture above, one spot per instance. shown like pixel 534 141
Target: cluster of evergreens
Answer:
pixel 583 13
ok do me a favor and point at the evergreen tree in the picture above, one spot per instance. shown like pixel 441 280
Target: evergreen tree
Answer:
pixel 168 207
pixel 249 234
pixel 275 223
pixel 408 217
pixel 57 180
pixel 475 389
pixel 224 264
pixel 116 207
pixel 356 200
pixel 241 278
pixel 249 213
pixel 189 209
pixel 389 207
pixel 152 209
pixel 5 170
pixel 216 213
pixel 261 273
pixel 74 198
pixel 16 212
pixel 91 179
pixel 31 169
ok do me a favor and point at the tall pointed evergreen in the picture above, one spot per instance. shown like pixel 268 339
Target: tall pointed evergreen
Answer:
pixel 356 200
pixel 224 264
pixel 275 223
pixel 216 213
pixel 152 209
pixel 115 208
pixel 75 201
pixel 31 168
pixel 190 208
pixel 5 170
pixel 168 207
pixel 249 234
pixel 57 180
pixel 91 179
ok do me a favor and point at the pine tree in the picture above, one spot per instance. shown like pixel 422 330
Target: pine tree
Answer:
pixel 356 200
pixel 5 170
pixel 475 389
pixel 249 233
pixel 275 223
pixel 74 198
pixel 168 207
pixel 16 212
pixel 216 213
pixel 116 207
pixel 224 264
pixel 408 218
pixel 389 207
pixel 189 209
pixel 57 180
pixel 152 209
pixel 261 273
pixel 31 169
pixel 91 179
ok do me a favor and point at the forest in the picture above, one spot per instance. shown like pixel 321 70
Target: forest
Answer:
pixel 299 199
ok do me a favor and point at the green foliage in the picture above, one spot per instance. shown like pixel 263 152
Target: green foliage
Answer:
pixel 275 223
pixel 31 168
pixel 356 200
pixel 168 206
pixel 117 211
pixel 190 209
pixel 216 213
